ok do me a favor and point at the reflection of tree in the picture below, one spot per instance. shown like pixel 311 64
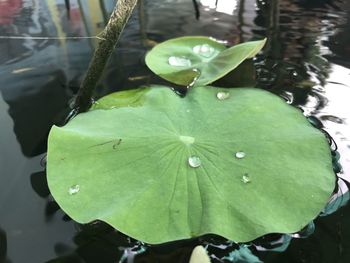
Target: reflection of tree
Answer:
pixel 3 246
pixel 67 3
pixel 294 60
pixel 196 9
pixel 329 243
pixel 98 242
pixel 38 93
pixel 339 44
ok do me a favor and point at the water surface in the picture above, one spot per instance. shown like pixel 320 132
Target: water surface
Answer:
pixel 45 50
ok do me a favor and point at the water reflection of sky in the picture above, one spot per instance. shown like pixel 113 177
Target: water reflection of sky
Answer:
pixel 222 6
pixel 336 114
pixel 307 57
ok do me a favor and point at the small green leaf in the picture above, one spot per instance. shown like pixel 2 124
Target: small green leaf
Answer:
pixel 128 98
pixel 170 168
pixel 185 59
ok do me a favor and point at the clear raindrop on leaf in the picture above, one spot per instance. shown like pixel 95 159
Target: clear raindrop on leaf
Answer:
pixel 240 155
pixel 194 161
pixel 204 50
pixel 172 58
pixel 179 61
pixel 223 95
pixel 246 179
pixel 74 189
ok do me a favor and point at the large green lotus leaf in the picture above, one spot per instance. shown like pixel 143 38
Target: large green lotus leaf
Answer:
pixel 198 60
pixel 129 165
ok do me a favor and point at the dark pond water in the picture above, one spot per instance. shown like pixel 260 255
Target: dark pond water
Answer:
pixel 44 51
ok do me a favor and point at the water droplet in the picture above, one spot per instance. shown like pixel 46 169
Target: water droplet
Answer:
pixel 196 77
pixel 240 155
pixel 223 95
pixel 179 61
pixel 204 50
pixel 74 189
pixel 194 161
pixel 246 179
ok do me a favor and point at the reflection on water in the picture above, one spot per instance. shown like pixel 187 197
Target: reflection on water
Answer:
pixel 45 50
pixel 223 6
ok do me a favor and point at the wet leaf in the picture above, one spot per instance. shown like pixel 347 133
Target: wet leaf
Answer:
pixel 184 60
pixel 172 168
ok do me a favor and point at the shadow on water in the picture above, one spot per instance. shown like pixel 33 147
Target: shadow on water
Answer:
pixel 44 54
pixel 3 245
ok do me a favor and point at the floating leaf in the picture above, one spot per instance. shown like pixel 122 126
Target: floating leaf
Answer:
pixel 134 169
pixel 185 59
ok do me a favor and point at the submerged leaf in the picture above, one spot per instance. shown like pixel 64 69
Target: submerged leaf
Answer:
pixel 168 168
pixel 242 254
pixel 198 58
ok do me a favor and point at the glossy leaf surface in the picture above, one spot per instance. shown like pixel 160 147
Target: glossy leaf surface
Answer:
pixel 198 60
pixel 167 168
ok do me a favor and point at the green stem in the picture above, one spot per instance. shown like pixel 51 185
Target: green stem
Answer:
pixel 109 39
